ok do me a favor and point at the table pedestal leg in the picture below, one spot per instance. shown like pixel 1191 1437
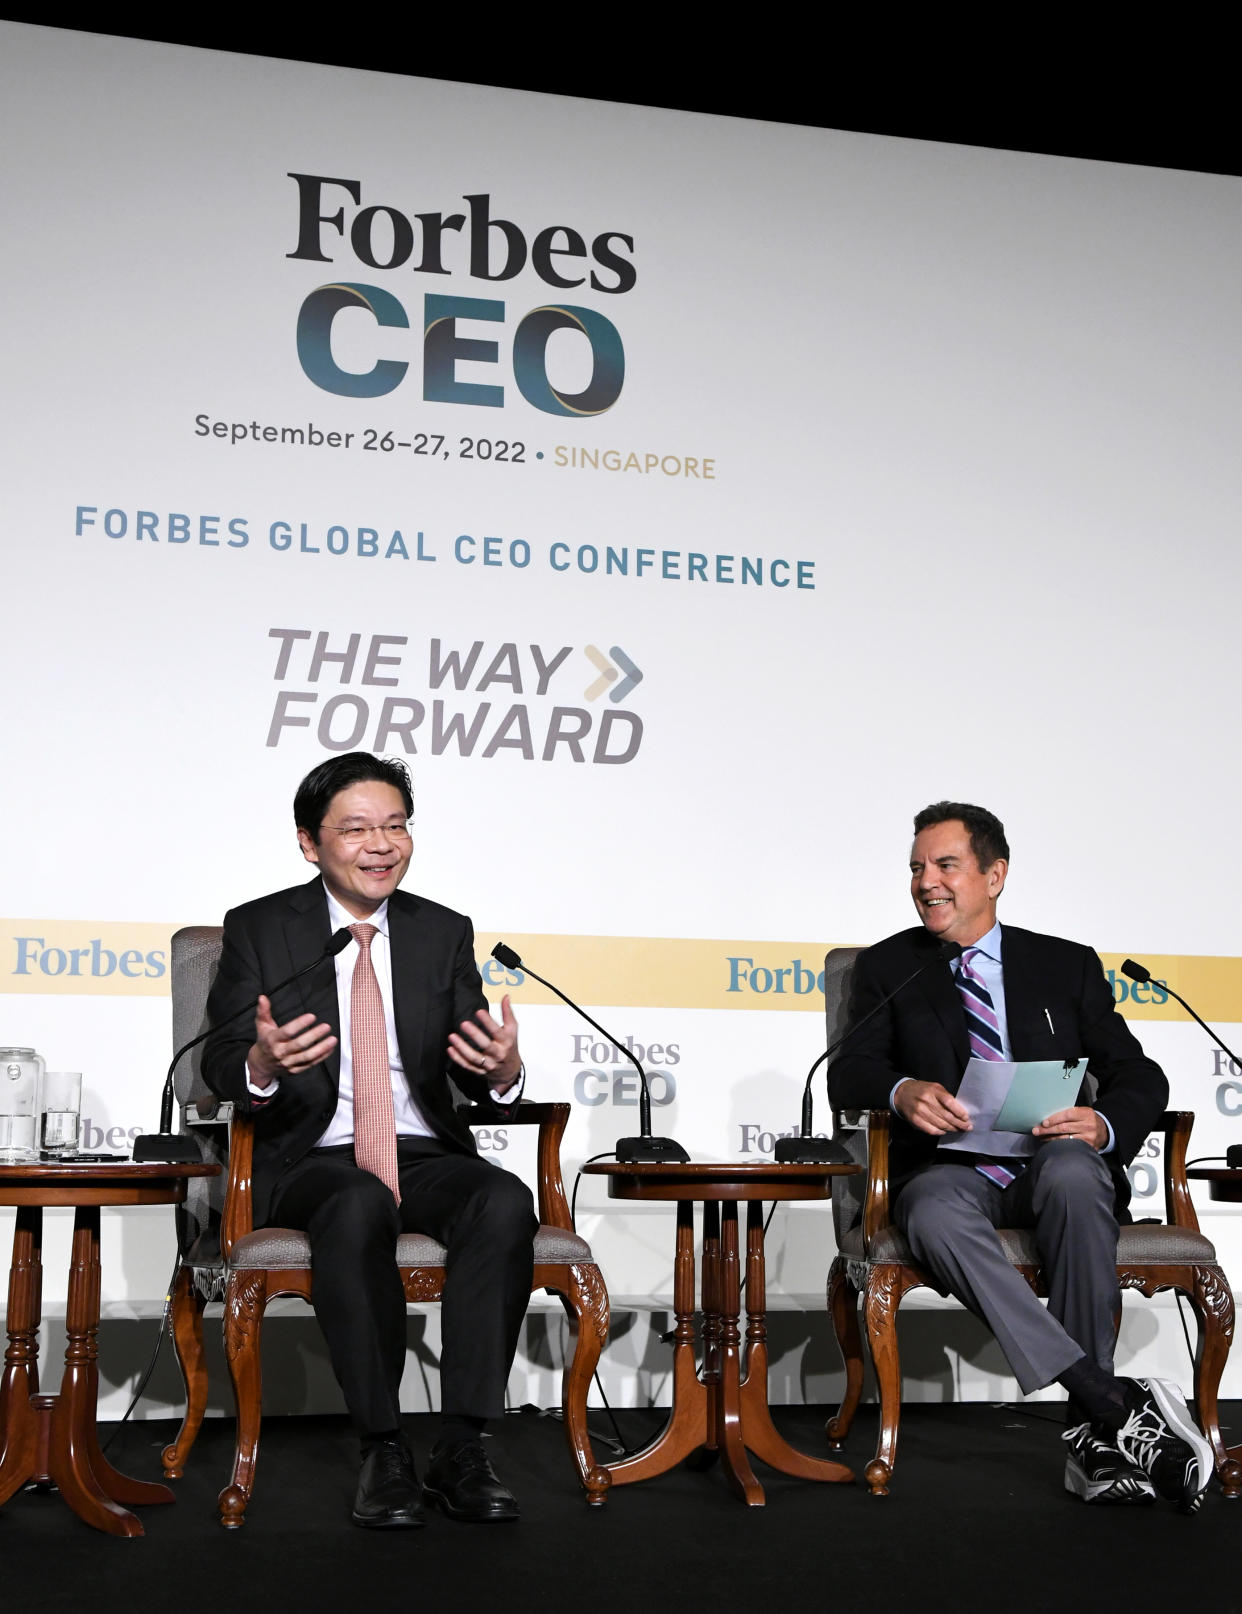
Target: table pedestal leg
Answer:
pixel 758 1430
pixel 19 1424
pixel 91 1486
pixel 731 1436
pixel 687 1428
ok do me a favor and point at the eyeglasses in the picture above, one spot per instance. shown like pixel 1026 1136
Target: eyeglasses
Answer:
pixel 359 834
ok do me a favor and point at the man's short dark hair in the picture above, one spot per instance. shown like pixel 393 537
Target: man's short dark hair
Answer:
pixel 987 833
pixel 339 773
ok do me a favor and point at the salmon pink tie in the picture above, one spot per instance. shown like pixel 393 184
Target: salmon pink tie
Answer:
pixel 375 1125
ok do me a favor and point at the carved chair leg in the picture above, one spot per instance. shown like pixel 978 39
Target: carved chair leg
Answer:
pixel 886 1284
pixel 1212 1299
pixel 187 1331
pixel 587 1307
pixel 843 1309
pixel 244 1302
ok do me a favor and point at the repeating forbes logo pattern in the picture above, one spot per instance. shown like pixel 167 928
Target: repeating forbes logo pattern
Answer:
pixel 76 956
pixel 84 957
pixel 331 217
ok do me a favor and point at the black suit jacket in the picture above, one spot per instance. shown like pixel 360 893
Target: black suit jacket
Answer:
pixel 436 986
pixel 922 1033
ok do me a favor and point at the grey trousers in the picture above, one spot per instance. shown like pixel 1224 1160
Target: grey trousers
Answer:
pixel 949 1214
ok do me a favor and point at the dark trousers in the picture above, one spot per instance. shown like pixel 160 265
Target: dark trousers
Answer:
pixel 949 1214
pixel 485 1219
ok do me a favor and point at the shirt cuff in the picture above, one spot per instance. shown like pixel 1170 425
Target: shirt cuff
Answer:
pixel 1112 1139
pixel 511 1094
pixel 261 1092
pixel 893 1090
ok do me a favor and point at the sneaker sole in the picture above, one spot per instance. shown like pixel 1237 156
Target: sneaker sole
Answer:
pixel 1199 1470
pixel 1117 1493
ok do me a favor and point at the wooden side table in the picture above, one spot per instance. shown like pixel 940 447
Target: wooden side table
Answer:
pixel 722 1410
pixel 1224 1182
pixel 53 1437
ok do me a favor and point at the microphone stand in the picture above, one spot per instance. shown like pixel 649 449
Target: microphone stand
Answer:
pixel 644 1149
pixel 1141 974
pixel 179 1147
pixel 808 1150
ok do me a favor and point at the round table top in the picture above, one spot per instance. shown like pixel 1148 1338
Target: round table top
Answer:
pixel 103 1182
pixel 717 1180
pixel 1224 1182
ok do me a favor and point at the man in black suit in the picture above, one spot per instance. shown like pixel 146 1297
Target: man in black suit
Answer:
pixel 356 1139
pixel 1013 994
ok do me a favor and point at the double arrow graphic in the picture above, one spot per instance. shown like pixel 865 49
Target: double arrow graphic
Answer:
pixel 608 673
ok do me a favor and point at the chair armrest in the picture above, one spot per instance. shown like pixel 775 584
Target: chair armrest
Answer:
pixel 207 1112
pixel 238 1218
pixel 876 1213
pixel 551 1119
pixel 1179 1209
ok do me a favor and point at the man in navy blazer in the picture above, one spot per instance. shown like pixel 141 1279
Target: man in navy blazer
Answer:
pixel 1015 994
pixel 290 1069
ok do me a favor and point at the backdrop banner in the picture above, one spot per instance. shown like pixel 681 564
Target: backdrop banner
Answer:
pixel 689 500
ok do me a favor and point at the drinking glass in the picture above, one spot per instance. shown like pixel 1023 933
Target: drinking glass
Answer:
pixel 62 1112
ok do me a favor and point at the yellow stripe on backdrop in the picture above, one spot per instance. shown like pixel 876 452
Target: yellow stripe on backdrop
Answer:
pixel 78 956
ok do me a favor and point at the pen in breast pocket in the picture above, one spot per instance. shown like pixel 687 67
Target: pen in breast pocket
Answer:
pixel 1051 1027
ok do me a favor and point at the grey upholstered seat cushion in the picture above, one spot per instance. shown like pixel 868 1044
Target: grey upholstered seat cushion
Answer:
pixel 285 1249
pixel 1143 1245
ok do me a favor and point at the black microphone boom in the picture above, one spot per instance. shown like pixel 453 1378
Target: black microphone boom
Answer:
pixel 177 1146
pixel 1141 974
pixel 643 1149
pixel 807 1150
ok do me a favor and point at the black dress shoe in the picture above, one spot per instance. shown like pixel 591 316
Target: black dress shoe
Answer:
pixel 388 1496
pixel 462 1482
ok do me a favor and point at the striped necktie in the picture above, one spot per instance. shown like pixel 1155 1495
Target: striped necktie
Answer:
pixel 981 1021
pixel 375 1125
pixel 985 1040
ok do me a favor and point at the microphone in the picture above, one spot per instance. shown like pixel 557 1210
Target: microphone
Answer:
pixel 805 1150
pixel 176 1146
pixel 1141 974
pixel 645 1149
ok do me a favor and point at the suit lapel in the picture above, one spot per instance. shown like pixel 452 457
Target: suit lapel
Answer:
pixel 411 961
pixel 940 990
pixel 1021 1011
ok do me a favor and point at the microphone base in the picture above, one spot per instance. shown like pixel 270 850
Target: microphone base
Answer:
pixel 650 1152
pixel 811 1152
pixel 172 1147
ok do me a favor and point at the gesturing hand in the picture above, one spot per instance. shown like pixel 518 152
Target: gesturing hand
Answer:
pixel 293 1047
pixel 487 1049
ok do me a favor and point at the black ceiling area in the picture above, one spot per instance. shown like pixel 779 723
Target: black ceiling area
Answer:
pixel 1015 82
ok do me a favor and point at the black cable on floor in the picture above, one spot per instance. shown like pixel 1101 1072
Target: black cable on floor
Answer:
pixel 165 1324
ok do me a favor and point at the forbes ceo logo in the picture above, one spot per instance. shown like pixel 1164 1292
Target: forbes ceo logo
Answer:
pixel 384 238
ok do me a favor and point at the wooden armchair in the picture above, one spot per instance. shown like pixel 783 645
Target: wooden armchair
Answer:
pixel 874 1263
pixel 256 1265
